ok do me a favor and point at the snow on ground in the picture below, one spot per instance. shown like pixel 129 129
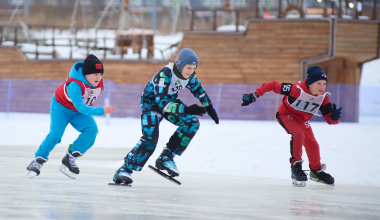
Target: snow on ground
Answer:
pixel 234 147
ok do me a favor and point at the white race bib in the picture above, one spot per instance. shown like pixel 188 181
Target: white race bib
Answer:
pixel 91 95
pixel 308 103
pixel 176 83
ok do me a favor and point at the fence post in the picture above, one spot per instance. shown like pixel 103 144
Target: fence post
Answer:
pixel 218 95
pixel 87 46
pixel 325 10
pixel 374 12
pixel 104 48
pixel 109 87
pixel 121 48
pixel 36 49
pixel 1 32
pixel 237 20
pixel 192 20
pixel 9 96
pixel 53 43
pixel 280 13
pixel 340 11
pixel 214 21
pixel 96 38
pixel 71 49
pixel 75 36
pixel 15 37
pixel 44 30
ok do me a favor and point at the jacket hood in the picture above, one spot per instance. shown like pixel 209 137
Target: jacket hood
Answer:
pixel 76 73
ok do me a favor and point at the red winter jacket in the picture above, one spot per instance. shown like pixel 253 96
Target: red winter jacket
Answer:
pixel 291 93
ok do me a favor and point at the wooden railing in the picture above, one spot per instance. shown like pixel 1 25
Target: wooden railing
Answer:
pixel 121 47
pixel 214 11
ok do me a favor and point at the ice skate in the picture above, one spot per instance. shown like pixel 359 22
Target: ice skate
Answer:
pixel 122 177
pixel 320 176
pixel 34 168
pixel 298 176
pixel 68 166
pixel 165 162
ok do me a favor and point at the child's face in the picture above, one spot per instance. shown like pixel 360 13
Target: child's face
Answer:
pixel 318 87
pixel 94 79
pixel 188 70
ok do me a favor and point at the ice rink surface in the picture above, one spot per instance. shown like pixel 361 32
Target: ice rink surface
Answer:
pixel 52 195
pixel 234 170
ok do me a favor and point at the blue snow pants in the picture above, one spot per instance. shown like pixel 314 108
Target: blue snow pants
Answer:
pixel 188 125
pixel 85 124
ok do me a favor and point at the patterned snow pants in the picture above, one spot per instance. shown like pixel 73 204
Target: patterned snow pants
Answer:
pixel 188 125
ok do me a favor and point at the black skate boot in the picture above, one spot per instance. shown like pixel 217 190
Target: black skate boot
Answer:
pixel 68 167
pixel 34 168
pixel 165 162
pixel 321 176
pixel 123 176
pixel 298 175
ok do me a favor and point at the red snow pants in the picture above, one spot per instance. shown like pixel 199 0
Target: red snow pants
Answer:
pixel 302 135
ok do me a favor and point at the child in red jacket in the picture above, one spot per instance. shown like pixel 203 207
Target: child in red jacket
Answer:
pixel 300 103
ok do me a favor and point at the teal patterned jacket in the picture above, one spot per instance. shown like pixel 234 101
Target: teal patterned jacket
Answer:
pixel 162 92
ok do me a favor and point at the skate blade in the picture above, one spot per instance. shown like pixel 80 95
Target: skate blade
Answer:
pixel 164 175
pixel 29 174
pixel 119 184
pixel 320 181
pixel 299 183
pixel 67 172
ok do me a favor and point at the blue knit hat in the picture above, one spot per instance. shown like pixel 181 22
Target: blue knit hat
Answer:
pixel 186 56
pixel 315 73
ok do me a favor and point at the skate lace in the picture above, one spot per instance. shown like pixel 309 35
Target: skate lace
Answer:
pixel 36 164
pixel 72 160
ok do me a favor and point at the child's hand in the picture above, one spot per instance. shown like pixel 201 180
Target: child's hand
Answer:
pixel 249 98
pixel 108 109
pixel 335 113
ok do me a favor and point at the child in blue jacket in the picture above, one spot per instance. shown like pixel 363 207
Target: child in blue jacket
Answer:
pixel 73 103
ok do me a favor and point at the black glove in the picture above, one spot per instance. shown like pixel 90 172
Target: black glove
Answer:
pixel 211 111
pixel 335 113
pixel 194 110
pixel 249 98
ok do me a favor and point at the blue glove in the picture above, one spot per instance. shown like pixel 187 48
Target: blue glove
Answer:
pixel 249 98
pixel 335 113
